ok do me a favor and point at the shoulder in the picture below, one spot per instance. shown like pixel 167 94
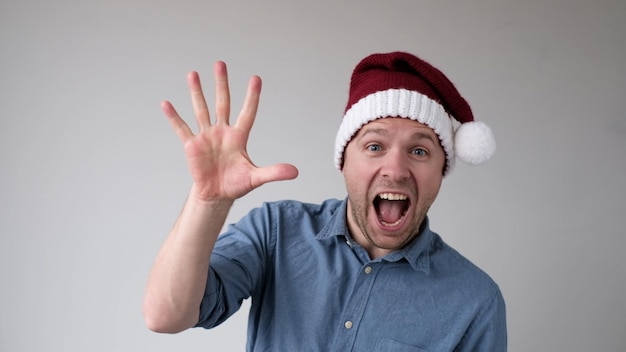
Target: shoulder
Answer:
pixel 293 207
pixel 449 262
pixel 283 215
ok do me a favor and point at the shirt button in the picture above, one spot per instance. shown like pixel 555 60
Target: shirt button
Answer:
pixel 368 269
pixel 348 324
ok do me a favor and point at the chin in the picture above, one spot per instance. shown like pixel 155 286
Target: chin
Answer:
pixel 391 242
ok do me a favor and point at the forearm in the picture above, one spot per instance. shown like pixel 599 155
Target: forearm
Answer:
pixel 178 278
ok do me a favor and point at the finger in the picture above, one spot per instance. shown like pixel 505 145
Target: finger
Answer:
pixel 178 124
pixel 277 172
pixel 222 93
pixel 251 104
pixel 200 108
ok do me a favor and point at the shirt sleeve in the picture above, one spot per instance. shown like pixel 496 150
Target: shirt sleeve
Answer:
pixel 237 267
pixel 488 331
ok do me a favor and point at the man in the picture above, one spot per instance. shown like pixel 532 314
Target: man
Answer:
pixel 361 274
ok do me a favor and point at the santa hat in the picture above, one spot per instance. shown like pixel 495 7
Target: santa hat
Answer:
pixel 399 84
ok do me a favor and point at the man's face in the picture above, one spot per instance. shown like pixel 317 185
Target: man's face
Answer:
pixel 393 168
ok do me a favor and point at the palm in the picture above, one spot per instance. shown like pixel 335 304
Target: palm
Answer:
pixel 218 164
pixel 216 155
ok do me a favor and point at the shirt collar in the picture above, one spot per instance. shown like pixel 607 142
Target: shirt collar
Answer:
pixel 416 253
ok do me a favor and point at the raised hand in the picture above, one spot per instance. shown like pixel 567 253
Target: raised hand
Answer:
pixel 217 157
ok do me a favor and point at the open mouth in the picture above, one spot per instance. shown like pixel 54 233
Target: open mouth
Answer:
pixel 391 208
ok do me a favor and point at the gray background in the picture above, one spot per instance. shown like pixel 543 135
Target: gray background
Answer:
pixel 93 178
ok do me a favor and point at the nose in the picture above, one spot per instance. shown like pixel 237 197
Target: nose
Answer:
pixel 395 165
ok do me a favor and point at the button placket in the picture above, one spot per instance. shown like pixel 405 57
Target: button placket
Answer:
pixel 356 306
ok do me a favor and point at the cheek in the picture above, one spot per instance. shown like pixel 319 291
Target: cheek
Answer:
pixel 351 182
pixel 430 187
pixel 351 172
pixel 355 181
pixel 428 180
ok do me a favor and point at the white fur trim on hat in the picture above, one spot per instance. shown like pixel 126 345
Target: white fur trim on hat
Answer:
pixel 396 103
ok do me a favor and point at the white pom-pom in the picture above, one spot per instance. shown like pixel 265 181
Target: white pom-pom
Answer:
pixel 474 143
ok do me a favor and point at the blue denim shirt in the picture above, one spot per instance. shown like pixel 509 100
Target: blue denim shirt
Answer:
pixel 314 289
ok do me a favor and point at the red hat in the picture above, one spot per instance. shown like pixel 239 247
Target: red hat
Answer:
pixel 399 84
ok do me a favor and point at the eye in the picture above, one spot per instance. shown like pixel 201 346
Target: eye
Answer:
pixel 374 148
pixel 419 152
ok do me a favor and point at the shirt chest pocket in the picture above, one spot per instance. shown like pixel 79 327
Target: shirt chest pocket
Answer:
pixel 389 345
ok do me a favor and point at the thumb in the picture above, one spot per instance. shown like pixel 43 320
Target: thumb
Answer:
pixel 277 172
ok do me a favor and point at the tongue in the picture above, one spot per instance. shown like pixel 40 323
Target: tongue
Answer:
pixel 390 211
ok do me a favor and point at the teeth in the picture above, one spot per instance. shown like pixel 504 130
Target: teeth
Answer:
pixel 388 224
pixel 392 196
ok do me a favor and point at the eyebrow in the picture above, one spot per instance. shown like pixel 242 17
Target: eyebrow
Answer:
pixel 383 132
pixel 429 136
pixel 380 131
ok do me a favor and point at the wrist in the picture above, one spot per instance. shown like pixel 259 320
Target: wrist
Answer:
pixel 198 198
